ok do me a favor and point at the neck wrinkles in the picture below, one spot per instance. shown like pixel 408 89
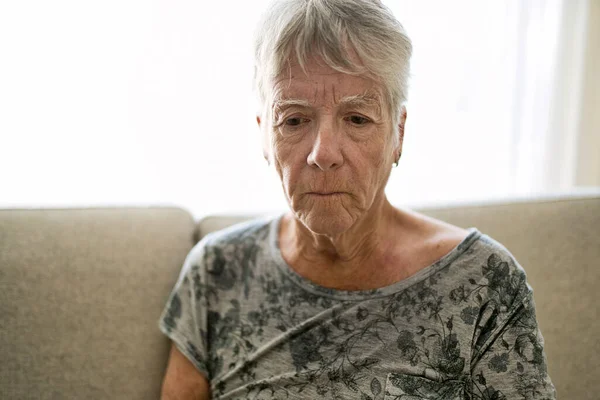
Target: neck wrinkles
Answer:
pixel 351 249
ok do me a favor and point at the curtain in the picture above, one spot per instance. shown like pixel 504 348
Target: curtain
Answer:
pixel 150 102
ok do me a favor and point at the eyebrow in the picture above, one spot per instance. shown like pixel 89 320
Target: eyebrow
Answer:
pixel 285 103
pixel 357 100
pixel 361 100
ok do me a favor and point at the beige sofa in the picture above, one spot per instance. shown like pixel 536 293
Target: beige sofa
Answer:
pixel 81 291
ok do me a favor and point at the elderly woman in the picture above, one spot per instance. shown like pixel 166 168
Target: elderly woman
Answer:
pixel 346 296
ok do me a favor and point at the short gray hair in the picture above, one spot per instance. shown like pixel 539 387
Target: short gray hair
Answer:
pixel 330 29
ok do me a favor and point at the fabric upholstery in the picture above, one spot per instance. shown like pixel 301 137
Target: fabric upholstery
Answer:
pixel 80 293
pixel 557 241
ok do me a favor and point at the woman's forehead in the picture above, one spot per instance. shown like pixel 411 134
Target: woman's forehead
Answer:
pixel 327 86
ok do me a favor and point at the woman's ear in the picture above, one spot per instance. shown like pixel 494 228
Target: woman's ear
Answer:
pixel 265 139
pixel 401 126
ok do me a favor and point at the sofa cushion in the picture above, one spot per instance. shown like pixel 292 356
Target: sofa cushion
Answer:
pixel 81 291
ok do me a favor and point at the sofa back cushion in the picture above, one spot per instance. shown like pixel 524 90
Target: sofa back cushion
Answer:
pixel 81 291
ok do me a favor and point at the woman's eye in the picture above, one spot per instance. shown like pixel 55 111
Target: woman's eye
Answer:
pixel 358 120
pixel 294 121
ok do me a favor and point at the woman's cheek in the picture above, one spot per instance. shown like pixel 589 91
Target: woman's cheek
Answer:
pixel 282 151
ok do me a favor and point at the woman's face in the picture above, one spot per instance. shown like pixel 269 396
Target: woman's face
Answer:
pixel 331 144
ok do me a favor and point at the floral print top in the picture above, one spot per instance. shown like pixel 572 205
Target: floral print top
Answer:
pixel 461 328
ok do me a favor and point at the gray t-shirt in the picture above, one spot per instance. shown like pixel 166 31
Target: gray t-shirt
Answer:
pixel 461 328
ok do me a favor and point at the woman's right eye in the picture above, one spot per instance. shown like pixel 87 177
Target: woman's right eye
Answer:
pixel 294 121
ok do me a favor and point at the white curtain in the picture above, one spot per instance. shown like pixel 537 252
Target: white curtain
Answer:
pixel 149 102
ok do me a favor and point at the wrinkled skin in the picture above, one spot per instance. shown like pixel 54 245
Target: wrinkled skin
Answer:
pixel 333 157
pixel 329 137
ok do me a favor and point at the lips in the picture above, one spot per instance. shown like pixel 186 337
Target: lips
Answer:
pixel 325 193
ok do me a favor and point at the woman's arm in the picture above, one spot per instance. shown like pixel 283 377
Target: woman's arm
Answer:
pixel 182 380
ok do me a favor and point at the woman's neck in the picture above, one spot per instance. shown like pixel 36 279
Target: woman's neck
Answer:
pixel 345 261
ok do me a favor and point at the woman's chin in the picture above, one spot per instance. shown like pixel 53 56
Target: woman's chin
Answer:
pixel 327 222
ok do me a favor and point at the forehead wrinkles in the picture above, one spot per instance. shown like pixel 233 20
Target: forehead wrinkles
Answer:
pixel 309 90
pixel 316 93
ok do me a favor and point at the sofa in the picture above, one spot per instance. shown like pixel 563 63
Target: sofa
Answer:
pixel 81 290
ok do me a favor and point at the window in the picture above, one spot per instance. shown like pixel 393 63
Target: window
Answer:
pixel 150 102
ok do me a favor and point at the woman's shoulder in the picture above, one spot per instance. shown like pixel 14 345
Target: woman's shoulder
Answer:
pixel 475 257
pixel 491 266
pixel 472 248
pixel 250 233
pixel 252 229
pixel 493 254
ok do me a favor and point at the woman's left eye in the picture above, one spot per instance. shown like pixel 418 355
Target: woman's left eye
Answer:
pixel 357 120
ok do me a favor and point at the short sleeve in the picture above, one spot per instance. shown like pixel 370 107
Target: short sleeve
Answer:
pixel 508 359
pixel 513 365
pixel 184 317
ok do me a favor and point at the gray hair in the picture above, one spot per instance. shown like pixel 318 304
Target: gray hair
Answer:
pixel 330 29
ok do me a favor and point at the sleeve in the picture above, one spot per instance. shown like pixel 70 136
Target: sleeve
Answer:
pixel 508 359
pixel 184 318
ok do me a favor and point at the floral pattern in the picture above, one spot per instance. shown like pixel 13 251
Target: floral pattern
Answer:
pixel 464 328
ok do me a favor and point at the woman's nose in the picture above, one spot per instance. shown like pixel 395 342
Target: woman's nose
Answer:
pixel 326 152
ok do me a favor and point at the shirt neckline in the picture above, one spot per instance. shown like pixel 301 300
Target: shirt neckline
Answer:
pixel 314 288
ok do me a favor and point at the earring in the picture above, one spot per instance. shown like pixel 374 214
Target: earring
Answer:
pixel 397 159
